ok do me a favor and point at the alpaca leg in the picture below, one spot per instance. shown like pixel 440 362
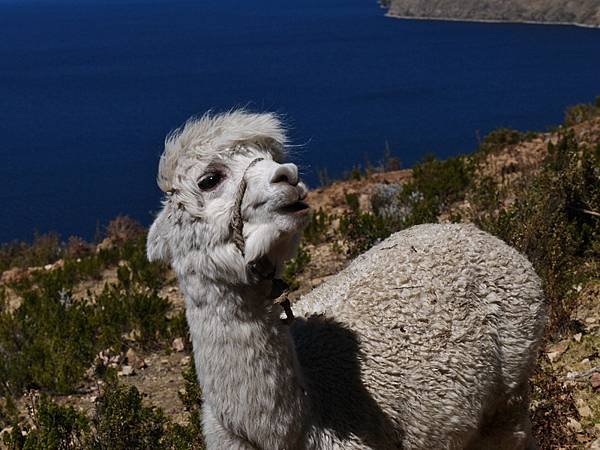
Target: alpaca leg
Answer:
pixel 508 429
pixel 219 438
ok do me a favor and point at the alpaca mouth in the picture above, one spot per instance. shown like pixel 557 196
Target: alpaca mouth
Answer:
pixel 295 208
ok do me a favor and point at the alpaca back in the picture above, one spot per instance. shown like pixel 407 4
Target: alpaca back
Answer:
pixel 447 320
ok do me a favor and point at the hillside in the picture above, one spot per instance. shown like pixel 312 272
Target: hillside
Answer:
pixel 116 370
pixel 582 12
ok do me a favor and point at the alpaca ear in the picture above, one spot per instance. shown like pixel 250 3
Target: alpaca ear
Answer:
pixel 157 245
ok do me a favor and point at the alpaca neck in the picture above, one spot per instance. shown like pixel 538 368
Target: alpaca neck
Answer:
pixel 246 362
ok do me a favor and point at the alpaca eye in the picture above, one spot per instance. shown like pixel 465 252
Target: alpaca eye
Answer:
pixel 210 181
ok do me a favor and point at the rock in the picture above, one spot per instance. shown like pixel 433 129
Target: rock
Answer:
pixel 577 337
pixel 106 244
pixel 582 408
pixel 595 445
pixel 126 371
pixel 595 381
pixel 186 360
pixel 131 356
pixel 555 351
pixel 574 425
pixel 178 345
pixel 134 360
pixel 14 275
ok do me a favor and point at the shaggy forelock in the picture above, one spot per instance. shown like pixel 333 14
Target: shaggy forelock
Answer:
pixel 218 135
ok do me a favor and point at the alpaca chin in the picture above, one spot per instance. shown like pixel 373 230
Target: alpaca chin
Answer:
pixel 269 240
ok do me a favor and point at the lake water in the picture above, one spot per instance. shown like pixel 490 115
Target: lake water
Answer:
pixel 89 89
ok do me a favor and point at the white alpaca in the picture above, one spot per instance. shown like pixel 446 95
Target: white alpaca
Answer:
pixel 426 341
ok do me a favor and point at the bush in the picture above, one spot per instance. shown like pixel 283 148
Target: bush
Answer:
pixel 122 422
pixel 295 267
pixel 51 339
pixel 188 437
pixel 55 428
pixel 580 113
pixel 435 185
pixel 501 138
pixel 45 249
pixel 123 229
pixel 361 230
pixel 553 222
pixel 316 230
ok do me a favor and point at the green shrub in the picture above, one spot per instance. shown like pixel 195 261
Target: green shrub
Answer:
pixel 45 249
pixel 122 422
pixel 553 223
pixel 46 343
pixel 434 186
pixel 316 230
pixel 501 138
pixel 51 339
pixel 580 113
pixel 295 267
pixel 189 436
pixel 361 230
pixel 55 428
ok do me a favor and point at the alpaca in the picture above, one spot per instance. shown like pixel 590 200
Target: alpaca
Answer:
pixel 424 342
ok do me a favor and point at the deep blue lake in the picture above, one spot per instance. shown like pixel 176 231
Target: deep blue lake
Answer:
pixel 89 89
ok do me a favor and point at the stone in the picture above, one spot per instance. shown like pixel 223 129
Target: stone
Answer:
pixel 14 275
pixel 555 351
pixel 595 381
pixel 131 356
pixel 574 425
pixel 582 408
pixel 178 345
pixel 577 337
pixel 126 371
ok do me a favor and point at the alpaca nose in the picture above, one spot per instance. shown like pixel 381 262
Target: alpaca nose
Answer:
pixel 287 173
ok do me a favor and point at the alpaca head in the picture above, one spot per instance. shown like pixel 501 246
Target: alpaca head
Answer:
pixel 230 201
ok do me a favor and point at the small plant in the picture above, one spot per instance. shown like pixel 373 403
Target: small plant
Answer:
pixel 501 138
pixel 554 224
pixel 361 230
pixel 355 174
pixel 295 267
pixel 580 113
pixel 123 229
pixel 435 186
pixel 45 249
pixel 318 227
pixel 189 436
pixel 122 422
pixel 323 177
pixel 55 427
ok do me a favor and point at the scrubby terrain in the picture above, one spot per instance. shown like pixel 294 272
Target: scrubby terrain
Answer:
pixel 94 351
pixel 582 12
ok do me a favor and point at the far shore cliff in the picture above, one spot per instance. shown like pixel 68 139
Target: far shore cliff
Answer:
pixel 582 12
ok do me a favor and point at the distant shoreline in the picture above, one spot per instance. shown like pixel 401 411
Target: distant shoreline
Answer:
pixel 525 22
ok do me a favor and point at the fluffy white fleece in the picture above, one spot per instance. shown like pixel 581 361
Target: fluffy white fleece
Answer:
pixel 424 342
